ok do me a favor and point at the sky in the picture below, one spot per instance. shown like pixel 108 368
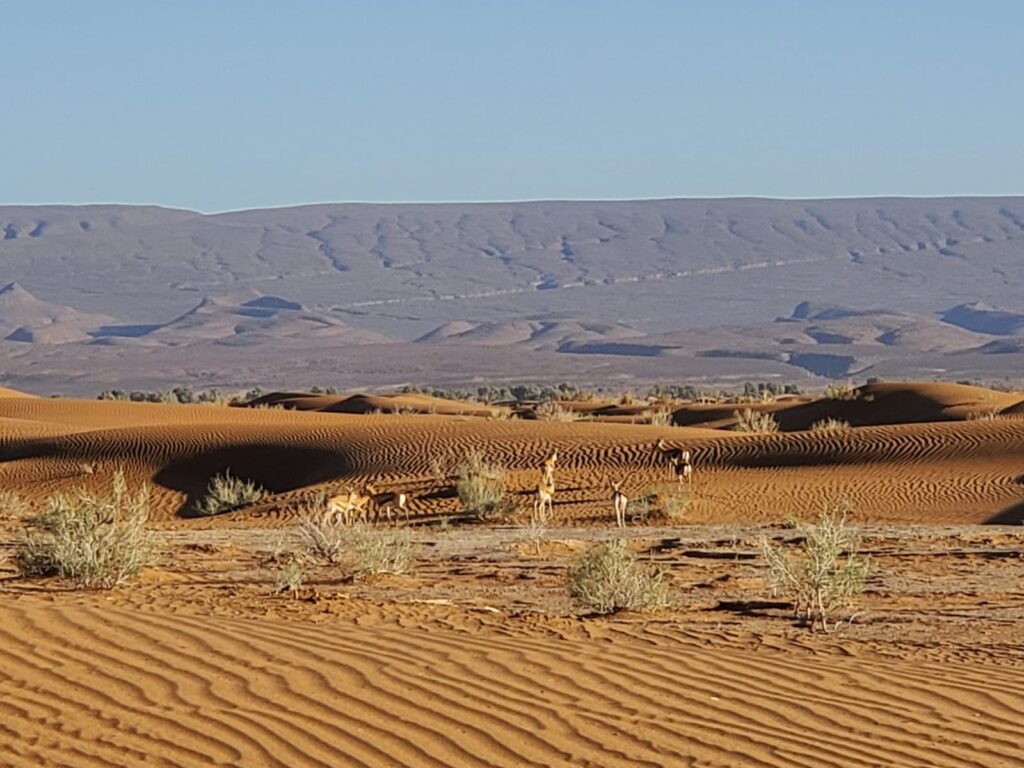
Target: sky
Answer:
pixel 237 104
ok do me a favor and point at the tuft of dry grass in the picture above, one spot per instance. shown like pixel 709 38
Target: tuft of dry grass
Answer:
pixel 824 573
pixel 840 392
pixel 226 492
pixel 993 414
pixel 93 540
pixel 659 417
pixel 610 578
pixel 755 422
pixel 373 551
pixel 830 425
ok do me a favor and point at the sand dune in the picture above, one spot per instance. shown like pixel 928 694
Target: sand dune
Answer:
pixel 138 687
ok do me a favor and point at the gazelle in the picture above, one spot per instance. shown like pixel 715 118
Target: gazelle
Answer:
pixel 350 506
pixel 544 498
pixel 620 501
pixel 385 500
pixel 678 459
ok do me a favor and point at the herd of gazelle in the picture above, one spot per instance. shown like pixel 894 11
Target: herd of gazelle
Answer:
pixel 355 506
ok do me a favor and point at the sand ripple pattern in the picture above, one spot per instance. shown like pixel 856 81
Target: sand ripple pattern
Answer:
pixel 102 686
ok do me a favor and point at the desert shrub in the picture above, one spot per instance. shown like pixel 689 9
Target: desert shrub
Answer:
pixel 371 551
pixel 659 417
pixel 670 499
pixel 93 540
pixel 12 506
pixel 840 392
pixel 323 536
pixel 824 574
pixel 226 492
pixel 830 425
pixel 552 410
pixel 609 578
pixel 291 576
pixel 749 420
pixel 480 485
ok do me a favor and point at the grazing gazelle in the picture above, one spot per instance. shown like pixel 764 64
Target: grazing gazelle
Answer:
pixel 544 498
pixel 620 501
pixel 385 500
pixel 349 506
pixel 678 460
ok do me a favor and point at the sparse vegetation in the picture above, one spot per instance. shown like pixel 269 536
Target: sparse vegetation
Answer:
pixel 659 417
pixel 480 484
pixel 609 578
pixel 93 540
pixel 830 425
pixel 992 414
pixel 824 574
pixel 759 422
pixel 226 492
pixel 323 536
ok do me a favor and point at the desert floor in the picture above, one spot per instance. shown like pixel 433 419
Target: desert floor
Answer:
pixel 478 656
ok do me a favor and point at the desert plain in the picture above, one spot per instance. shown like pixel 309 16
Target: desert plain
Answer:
pixel 478 654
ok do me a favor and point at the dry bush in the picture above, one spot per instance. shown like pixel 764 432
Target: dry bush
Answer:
pixel 824 574
pixel 670 499
pixel 372 551
pixel 659 417
pixel 552 410
pixel 840 392
pixel 830 425
pixel 758 422
pixel 93 540
pixel 480 485
pixel 609 578
pixel 225 493
pixel 323 536
pixel 12 506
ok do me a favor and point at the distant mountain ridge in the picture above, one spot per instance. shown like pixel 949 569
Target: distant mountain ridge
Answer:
pixel 694 286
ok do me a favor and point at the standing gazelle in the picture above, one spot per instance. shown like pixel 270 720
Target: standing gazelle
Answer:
pixel 620 501
pixel 678 459
pixel 384 501
pixel 544 498
pixel 548 468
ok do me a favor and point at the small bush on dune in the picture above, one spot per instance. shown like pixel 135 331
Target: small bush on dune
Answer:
pixel 96 541
pixel 660 418
pixel 290 577
pixel 830 425
pixel 993 414
pixel 323 536
pixel 225 493
pixel 609 578
pixel 480 485
pixel 755 422
pixel 825 572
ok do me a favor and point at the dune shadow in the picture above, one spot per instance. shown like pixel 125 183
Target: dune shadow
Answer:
pixel 1012 515
pixel 274 468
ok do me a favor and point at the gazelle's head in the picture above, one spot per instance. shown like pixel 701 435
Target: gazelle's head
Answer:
pixel 614 485
pixel 661 444
pixel 370 490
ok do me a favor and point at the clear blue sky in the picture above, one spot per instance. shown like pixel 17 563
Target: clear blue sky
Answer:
pixel 220 104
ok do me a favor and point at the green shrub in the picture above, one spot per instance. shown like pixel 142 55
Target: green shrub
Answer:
pixel 225 493
pixel 12 506
pixel 371 551
pixel 95 541
pixel 610 578
pixel 824 573
pixel 671 499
